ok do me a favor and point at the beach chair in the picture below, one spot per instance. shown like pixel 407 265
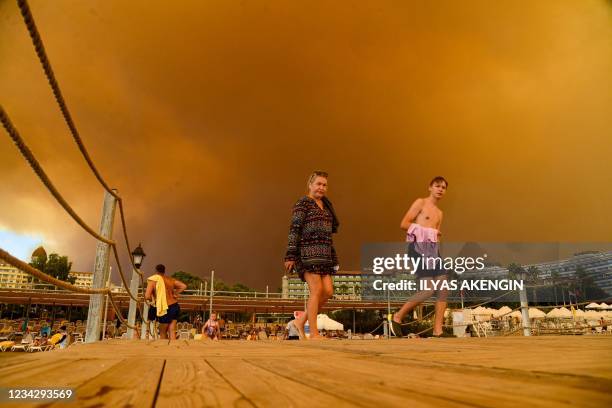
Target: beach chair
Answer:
pixel 44 347
pixel 25 343
pixel 5 331
pixel 230 333
pixel 6 345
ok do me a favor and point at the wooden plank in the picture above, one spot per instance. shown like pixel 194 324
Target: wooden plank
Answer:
pixel 560 371
pixel 580 356
pixel 436 386
pixel 131 382
pixel 267 389
pixel 192 382
pixel 22 372
pixel 349 387
pixel 61 373
pixel 60 376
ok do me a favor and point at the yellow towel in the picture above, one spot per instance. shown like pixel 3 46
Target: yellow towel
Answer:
pixel 161 303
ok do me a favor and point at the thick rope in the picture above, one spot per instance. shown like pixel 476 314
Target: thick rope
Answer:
pixel 47 278
pixel 37 42
pixel 59 283
pixel 118 312
pixel 46 64
pixel 65 285
pixel 377 327
pixel 35 165
pixel 127 241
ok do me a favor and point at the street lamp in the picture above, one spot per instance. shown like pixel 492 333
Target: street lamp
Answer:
pixel 138 256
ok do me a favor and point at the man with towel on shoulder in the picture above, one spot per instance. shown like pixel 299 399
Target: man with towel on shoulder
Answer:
pixel 164 292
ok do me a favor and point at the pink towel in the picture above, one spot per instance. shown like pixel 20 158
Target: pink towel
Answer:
pixel 418 233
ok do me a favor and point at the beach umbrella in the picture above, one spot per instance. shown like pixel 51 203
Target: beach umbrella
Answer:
pixel 503 311
pixel 553 313
pixel 564 312
pixel 535 313
pixel 603 306
pixel 324 322
pixel 516 313
pixel 479 310
pixel 579 313
pixel 592 306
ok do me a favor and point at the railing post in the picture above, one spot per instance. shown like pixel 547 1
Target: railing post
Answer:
pixel 101 269
pixel 134 286
pixel 524 309
pixel 212 289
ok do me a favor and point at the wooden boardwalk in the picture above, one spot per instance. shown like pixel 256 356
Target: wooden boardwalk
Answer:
pixel 476 372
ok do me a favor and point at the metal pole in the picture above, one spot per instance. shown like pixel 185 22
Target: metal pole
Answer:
pixel 144 328
pixel 101 270
pixel 145 321
pixel 212 291
pixel 105 310
pixel 525 310
pixel 266 291
pixel 386 322
pixel 134 286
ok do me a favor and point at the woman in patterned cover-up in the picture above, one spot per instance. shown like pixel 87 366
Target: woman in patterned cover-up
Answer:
pixel 310 251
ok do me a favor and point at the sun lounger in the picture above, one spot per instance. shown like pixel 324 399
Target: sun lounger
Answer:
pixel 5 345
pixel 45 347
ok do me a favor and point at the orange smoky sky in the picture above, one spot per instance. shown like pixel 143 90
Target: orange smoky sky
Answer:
pixel 208 116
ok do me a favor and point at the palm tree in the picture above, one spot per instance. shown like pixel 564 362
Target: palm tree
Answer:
pixel 585 281
pixel 515 271
pixel 533 276
pixel 554 277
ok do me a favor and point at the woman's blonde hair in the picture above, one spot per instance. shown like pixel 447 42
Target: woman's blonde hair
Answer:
pixel 315 174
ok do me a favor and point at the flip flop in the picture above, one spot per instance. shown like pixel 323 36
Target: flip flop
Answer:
pixel 396 329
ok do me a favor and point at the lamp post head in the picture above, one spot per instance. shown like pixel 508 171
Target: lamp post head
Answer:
pixel 138 256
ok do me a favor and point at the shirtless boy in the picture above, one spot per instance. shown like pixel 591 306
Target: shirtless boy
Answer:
pixel 422 223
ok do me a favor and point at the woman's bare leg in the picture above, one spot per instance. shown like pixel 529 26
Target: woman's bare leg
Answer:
pixel 312 307
pixel 326 292
pixel 328 289
pixel 315 287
